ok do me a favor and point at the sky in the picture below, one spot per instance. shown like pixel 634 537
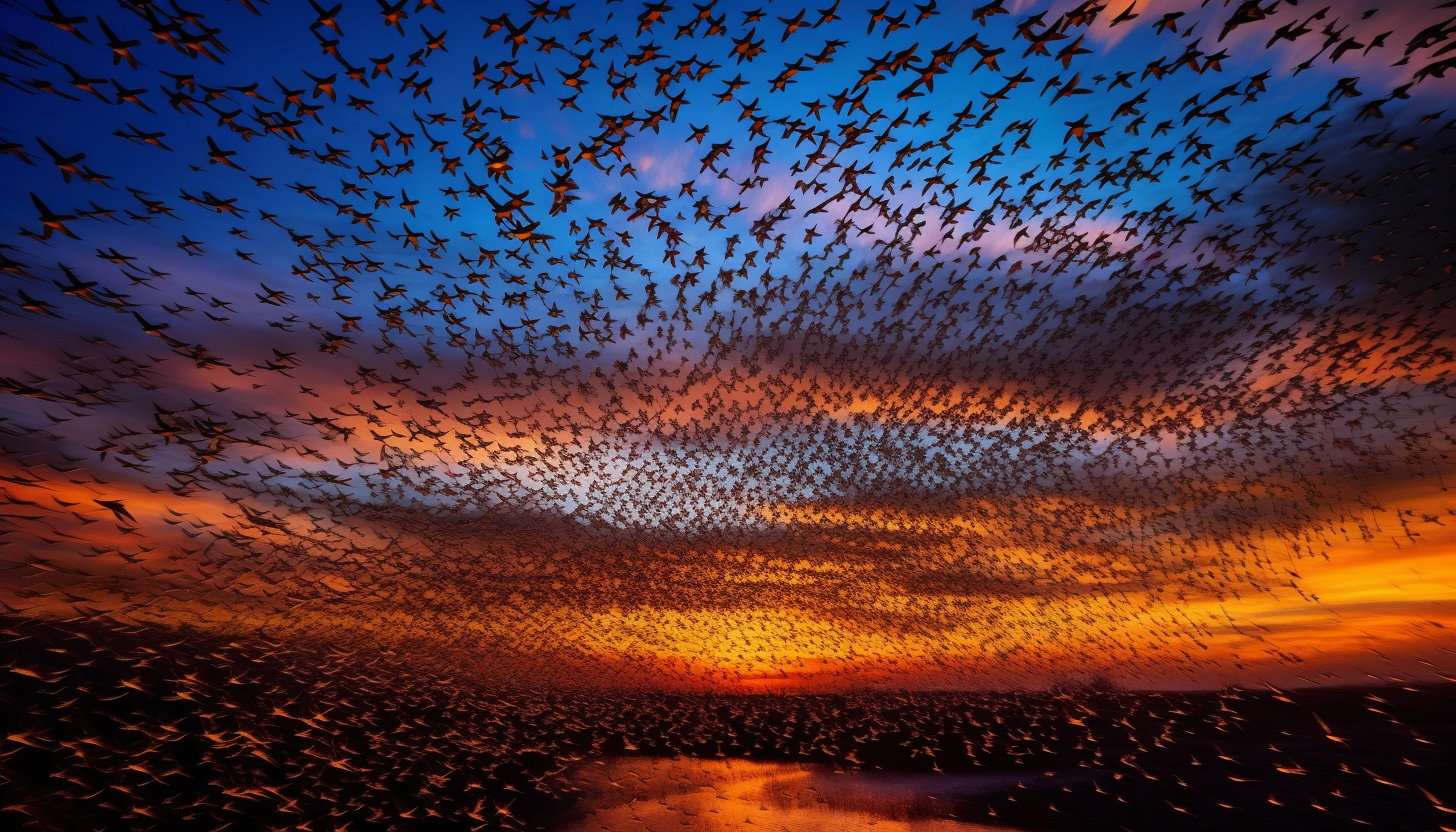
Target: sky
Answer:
pixel 728 348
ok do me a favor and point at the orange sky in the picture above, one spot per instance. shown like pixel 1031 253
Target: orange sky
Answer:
pixel 870 596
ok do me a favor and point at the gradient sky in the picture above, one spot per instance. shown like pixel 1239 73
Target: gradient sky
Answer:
pixel 1113 347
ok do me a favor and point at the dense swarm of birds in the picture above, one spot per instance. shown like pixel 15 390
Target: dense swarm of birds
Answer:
pixel 206 732
pixel 948 345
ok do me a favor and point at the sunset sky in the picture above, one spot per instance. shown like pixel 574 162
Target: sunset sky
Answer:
pixel 785 388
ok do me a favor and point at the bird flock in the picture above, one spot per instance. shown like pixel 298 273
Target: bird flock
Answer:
pixel 143 727
pixel 710 347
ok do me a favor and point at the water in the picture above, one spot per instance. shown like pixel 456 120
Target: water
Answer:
pixel 673 795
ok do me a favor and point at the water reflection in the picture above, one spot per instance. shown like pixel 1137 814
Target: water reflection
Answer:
pixel 660 794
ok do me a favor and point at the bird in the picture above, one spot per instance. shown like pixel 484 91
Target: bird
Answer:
pixel 919 428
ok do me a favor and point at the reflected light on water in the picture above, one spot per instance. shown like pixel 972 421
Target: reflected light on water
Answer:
pixel 660 794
